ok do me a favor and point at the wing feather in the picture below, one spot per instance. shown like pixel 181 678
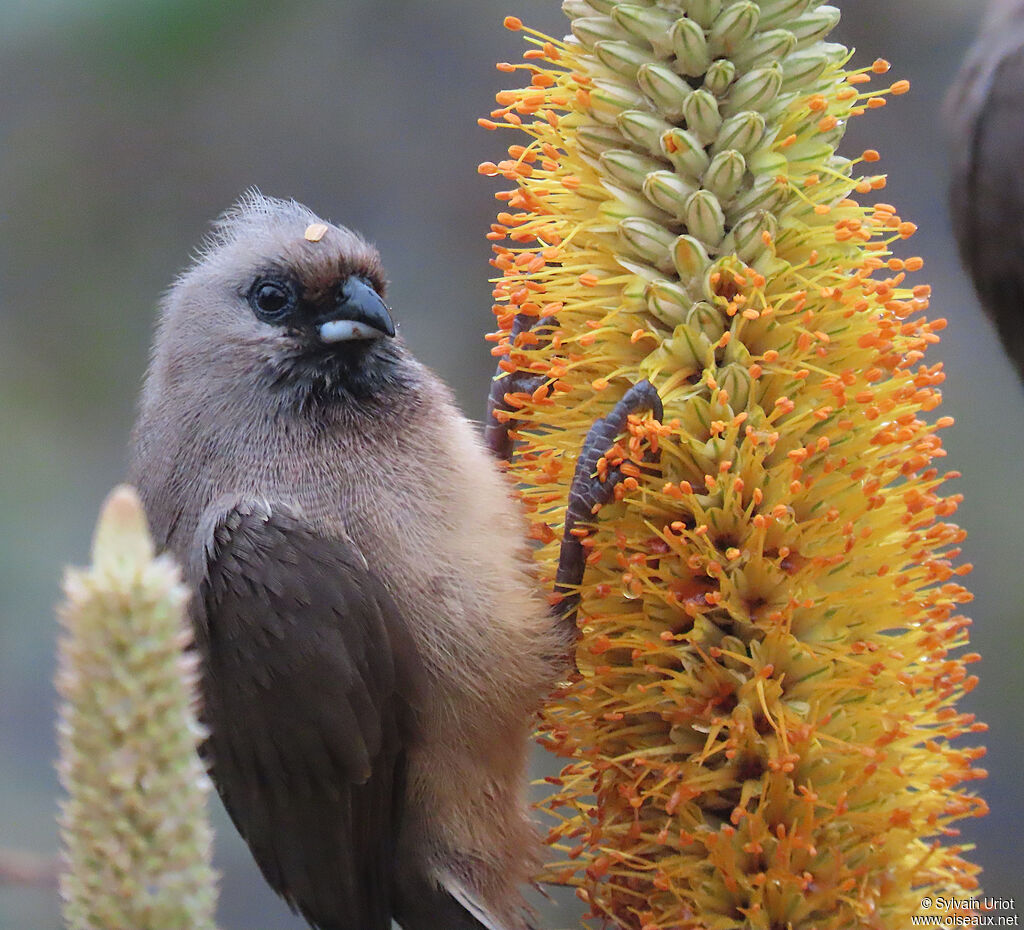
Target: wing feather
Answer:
pixel 309 686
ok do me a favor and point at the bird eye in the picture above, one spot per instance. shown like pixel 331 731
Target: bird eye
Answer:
pixel 271 300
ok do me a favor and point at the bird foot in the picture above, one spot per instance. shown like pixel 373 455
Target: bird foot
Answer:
pixel 588 492
pixel 497 433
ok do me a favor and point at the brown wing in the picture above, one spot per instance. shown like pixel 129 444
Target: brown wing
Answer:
pixel 309 685
pixel 986 109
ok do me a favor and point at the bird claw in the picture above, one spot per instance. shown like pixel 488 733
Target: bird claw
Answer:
pixel 497 434
pixel 587 492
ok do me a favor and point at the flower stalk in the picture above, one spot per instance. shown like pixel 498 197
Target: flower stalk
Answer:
pixel 136 840
pixel 769 657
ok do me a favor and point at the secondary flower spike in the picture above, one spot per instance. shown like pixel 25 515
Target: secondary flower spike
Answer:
pixel 769 655
pixel 136 840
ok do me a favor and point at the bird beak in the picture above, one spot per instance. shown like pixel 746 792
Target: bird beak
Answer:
pixel 360 314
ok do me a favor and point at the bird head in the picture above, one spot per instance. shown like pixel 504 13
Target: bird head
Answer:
pixel 280 293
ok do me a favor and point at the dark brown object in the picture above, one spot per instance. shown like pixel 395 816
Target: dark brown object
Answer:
pixel 985 110
pixel 374 649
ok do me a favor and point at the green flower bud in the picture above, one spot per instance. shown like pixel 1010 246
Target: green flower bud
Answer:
pixel 703 11
pixel 668 191
pixel 736 351
pixel 733 27
pixel 646 23
pixel 689 348
pixel 628 167
pixel 742 132
pixel 801 68
pixel 755 90
pixel 782 12
pixel 704 318
pixel 700 110
pixel 767 161
pixel 719 76
pixel 725 174
pixel 648 240
pixel 593 29
pixel 736 380
pixel 574 9
pixel 690 47
pixel 666 89
pixel 595 138
pixel 689 257
pixel 603 6
pixel 765 46
pixel 627 203
pixel 643 129
pixel 746 238
pixel 811 152
pixel 621 57
pixel 685 151
pixel 766 193
pixel 704 217
pixel 814 25
pixel 609 98
pixel 667 301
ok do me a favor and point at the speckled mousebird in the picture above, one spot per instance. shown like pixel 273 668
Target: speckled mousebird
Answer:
pixel 374 648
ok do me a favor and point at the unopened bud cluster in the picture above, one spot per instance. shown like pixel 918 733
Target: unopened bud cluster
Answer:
pixel 136 840
pixel 687 101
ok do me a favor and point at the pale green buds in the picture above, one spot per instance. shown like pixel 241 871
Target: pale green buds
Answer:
pixel 689 257
pixel 755 90
pixel 725 174
pixel 628 167
pixel 669 192
pixel 622 57
pixel 609 98
pixel 648 240
pixel 767 161
pixel 704 318
pixel 801 68
pixel 765 46
pixel 686 350
pixel 593 29
pixel 733 27
pixel 576 9
pixel 704 217
pixel 689 347
pixel 700 110
pixel 711 77
pixel 643 129
pixel 766 193
pixel 596 138
pixel 742 132
pixel 747 236
pixel 668 91
pixel 685 151
pixel 782 12
pixel 626 203
pixel 814 25
pixel 643 22
pixel 736 380
pixel 690 47
pixel 720 75
pixel 667 301
pixel 703 11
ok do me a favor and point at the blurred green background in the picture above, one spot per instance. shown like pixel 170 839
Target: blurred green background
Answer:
pixel 125 126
